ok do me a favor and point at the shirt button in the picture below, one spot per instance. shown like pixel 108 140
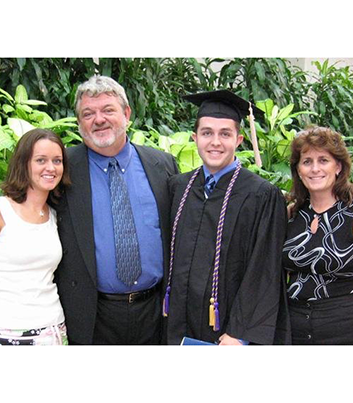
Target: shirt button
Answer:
pixel 105 169
pixel 123 170
pixel 308 316
pixel 135 282
pixel 309 336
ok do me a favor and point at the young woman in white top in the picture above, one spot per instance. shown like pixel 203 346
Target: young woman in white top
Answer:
pixel 30 249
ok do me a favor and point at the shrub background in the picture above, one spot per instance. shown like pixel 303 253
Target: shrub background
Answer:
pixel 41 91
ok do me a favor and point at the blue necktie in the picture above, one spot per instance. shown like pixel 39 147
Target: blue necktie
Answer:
pixel 209 185
pixel 127 250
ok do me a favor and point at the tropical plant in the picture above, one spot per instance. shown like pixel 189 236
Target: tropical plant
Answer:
pixel 155 87
pixel 18 115
pixel 178 144
pixel 332 98
pixel 274 142
pixel 262 78
pixel 161 118
pixel 54 80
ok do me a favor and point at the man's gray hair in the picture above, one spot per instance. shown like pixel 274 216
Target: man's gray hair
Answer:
pixel 97 85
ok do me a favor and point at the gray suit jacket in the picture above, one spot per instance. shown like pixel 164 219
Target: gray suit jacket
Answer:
pixel 76 276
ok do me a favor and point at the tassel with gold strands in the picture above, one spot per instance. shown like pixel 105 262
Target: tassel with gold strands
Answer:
pixel 212 319
pixel 254 138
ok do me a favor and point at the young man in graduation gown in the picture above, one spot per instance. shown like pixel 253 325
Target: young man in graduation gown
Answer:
pixel 226 283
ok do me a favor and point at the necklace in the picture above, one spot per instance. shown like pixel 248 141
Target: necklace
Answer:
pixel 41 213
pixel 323 209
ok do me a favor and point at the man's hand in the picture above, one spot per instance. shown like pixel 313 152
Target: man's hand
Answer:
pixel 226 340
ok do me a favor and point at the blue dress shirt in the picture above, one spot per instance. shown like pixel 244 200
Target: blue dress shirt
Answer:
pixel 146 218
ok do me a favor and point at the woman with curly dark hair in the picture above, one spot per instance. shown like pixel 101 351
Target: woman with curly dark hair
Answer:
pixel 318 252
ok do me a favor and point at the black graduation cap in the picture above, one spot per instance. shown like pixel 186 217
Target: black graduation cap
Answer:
pixel 222 104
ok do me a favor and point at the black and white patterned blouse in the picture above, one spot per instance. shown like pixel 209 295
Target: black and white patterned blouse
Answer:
pixel 320 265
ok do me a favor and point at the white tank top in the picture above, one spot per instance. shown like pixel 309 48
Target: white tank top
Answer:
pixel 29 255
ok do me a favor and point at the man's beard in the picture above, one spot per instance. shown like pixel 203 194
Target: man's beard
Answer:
pixel 103 142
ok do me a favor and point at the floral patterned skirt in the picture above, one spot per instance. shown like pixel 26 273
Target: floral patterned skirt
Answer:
pixel 47 336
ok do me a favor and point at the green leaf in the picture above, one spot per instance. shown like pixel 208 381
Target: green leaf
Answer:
pixel 294 115
pixel 322 108
pixel 266 106
pixel 21 94
pixel 6 141
pixel 7 95
pixel 286 122
pixel 41 117
pixel 19 126
pixel 34 102
pixel 23 108
pixel 21 61
pixel 283 168
pixel 260 71
pixel 61 124
pixel 245 156
pixel 8 108
pixel 335 122
pixel 273 117
pixel 290 134
pixel 332 99
pixel 188 157
pixel 285 112
pixel 71 138
pixel 283 148
pixel 164 143
pixel 181 137
pixel 138 138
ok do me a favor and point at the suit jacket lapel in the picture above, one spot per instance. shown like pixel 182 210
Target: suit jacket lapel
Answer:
pixel 80 206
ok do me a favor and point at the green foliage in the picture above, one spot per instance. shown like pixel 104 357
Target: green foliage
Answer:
pixel 332 93
pixel 262 78
pixel 178 144
pixel 52 79
pixel 155 86
pixel 18 115
pixel 39 92
pixel 274 142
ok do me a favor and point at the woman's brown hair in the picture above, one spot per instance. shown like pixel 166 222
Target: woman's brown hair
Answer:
pixel 320 138
pixel 18 177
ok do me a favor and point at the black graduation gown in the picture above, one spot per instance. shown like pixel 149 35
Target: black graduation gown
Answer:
pixel 251 279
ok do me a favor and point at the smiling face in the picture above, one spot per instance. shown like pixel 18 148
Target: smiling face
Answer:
pixel 46 165
pixel 103 123
pixel 217 140
pixel 317 170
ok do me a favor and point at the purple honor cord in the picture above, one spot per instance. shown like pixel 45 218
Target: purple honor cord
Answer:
pixel 214 320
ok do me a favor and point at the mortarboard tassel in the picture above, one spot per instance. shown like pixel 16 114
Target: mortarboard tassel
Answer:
pixel 216 314
pixel 254 138
pixel 212 313
pixel 166 302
